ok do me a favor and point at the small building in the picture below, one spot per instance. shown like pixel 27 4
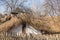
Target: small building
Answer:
pixel 20 29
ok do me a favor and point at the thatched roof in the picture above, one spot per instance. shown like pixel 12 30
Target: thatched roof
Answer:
pixel 10 23
pixel 37 23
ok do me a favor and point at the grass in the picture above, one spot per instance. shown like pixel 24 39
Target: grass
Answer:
pixel 5 36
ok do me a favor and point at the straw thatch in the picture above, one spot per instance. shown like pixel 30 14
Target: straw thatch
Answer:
pixel 8 24
pixel 37 23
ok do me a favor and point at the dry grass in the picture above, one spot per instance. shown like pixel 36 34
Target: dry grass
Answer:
pixel 30 37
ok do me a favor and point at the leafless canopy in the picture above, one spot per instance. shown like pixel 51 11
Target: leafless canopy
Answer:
pixel 11 5
pixel 52 7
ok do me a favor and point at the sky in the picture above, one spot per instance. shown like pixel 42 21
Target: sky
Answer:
pixel 28 4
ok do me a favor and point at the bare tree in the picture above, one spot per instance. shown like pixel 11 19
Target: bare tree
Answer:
pixel 11 5
pixel 52 8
